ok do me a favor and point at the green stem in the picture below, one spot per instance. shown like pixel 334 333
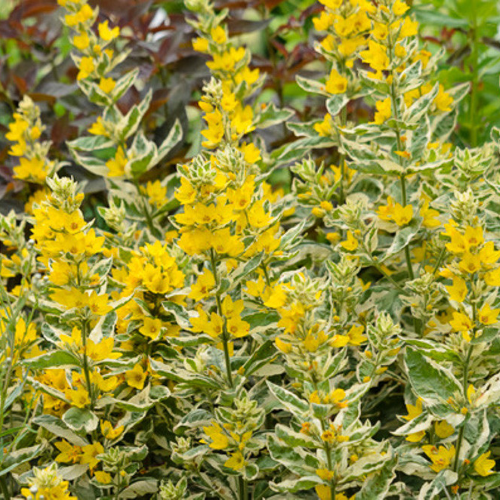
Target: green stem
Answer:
pixel 388 276
pixel 440 259
pixel 5 490
pixel 395 108
pixel 465 383
pixel 266 275
pixel 473 119
pixel 343 123
pixel 407 247
pixel 242 488
pixel 225 336
pixel 86 365
pixel 330 467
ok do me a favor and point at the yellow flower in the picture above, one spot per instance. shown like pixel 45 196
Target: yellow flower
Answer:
pixel 376 56
pixel 408 28
pixel 82 16
pixel 151 328
pixel 441 458
pixel 98 304
pixel 483 465
pixel 385 212
pixel 331 4
pixel 488 255
pixel 380 31
pixel 108 34
pixel 69 453
pixel 383 112
pixel 86 68
pixel 136 377
pixel 215 131
pixel 470 263
pixel 488 316
pixel 457 291
pixel 413 410
pixel 351 243
pixel 218 35
pixel 355 335
pixel 473 236
pixel 219 438
pixel 461 322
pixel 102 477
pixel 443 429
pixel 336 83
pixel 200 44
pixel 324 492
pixel 227 61
pixel 117 164
pixel 90 453
pixel 109 432
pixel 325 474
pixel 107 85
pixel 237 328
pixel 429 215
pixel 203 286
pixel 236 461
pixel 81 41
pixel 79 397
pixel 402 216
pixel 492 278
pixel 399 8
pixel 415 437
pixel 443 100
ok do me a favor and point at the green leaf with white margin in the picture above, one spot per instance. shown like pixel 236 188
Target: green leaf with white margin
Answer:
pixel 477 434
pixel 262 356
pixel 368 464
pixel 173 137
pixel 72 472
pixel 124 84
pixel 431 382
pixel 244 269
pixel 57 427
pixel 378 484
pixel 139 489
pixel 490 392
pixel 79 419
pixel 311 86
pixel 289 400
pixel 141 154
pixel 335 104
pixel 271 115
pixel 294 439
pixel 294 459
pixel 403 237
pixel 439 483
pixel 415 112
pixel 128 124
pixel 420 423
pixel 429 167
pixel 438 352
pixel 94 165
pixel 90 143
pixel 179 312
pixel 17 457
pixel 55 359
pixel 294 485
pixel 196 418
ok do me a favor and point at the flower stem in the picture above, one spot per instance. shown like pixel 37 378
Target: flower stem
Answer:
pixel 3 487
pixel 225 336
pixel 86 365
